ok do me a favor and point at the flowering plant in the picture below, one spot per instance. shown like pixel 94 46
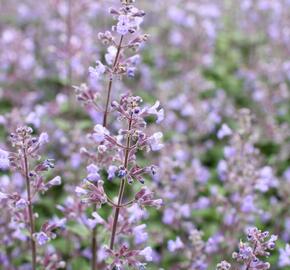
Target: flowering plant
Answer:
pixel 27 148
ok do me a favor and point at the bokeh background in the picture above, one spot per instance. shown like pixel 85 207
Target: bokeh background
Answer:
pixel 206 61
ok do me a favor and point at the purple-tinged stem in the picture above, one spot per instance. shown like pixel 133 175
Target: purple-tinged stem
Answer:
pixel 105 119
pixel 30 210
pixel 94 243
pixel 122 188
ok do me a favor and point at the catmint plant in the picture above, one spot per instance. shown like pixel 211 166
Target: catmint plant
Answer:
pixel 26 160
pixel 259 244
pixel 242 174
pixel 117 154
pixel 250 253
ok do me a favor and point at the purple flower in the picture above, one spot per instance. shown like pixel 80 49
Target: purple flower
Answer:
pixel 222 169
pixel 185 210
pixel 284 256
pixel 154 111
pixel 97 71
pixel 199 264
pixel 229 152
pixel 168 216
pixel 112 171
pixel 266 179
pixel 248 204
pixel 131 72
pixel 136 213
pixel 213 243
pixel 202 174
pixel 56 181
pixel 4 160
pixel 286 174
pixel 93 173
pixel 21 204
pixel 224 131
pixel 41 238
pixel 43 139
pixel 99 133
pixel 145 198
pixel 224 265
pixel 123 24
pixel 110 55
pixel 202 203
pixel 3 196
pixel 140 235
pixel 155 141
pixel 147 253
pixel 97 219
pixel 174 245
pixel 92 193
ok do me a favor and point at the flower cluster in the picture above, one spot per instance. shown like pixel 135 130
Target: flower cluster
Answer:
pixel 224 265
pixel 117 156
pixel 125 256
pixel 128 19
pixel 258 246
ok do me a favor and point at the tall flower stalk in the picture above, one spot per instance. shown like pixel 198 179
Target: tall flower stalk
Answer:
pixel 105 120
pixel 128 108
pixel 116 155
pixel 129 18
pixel 29 204
pixel 26 160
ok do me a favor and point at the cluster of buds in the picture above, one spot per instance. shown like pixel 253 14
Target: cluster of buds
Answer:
pixel 224 265
pixel 52 261
pixel 128 19
pixel 124 256
pixel 258 246
pixel 47 231
pixel 27 147
pixel 130 107
pixel 145 198
pixel 91 190
pixel 23 138
pixel 129 110
pixel 86 95
pixel 92 193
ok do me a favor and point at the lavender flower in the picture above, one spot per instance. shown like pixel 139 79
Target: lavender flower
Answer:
pixel 41 238
pixel 224 131
pixel 224 265
pixel 97 71
pixel 175 245
pixel 284 256
pixel 4 160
